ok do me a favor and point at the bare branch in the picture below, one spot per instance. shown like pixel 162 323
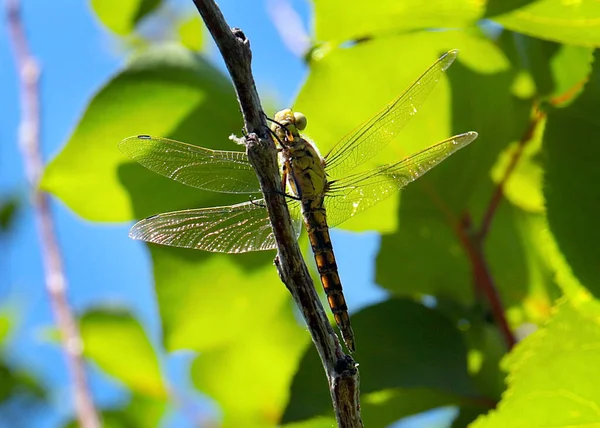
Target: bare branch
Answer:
pixel 341 369
pixel 56 283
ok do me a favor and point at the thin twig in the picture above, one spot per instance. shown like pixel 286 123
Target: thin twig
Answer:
pixel 56 284
pixel 499 191
pixel 340 369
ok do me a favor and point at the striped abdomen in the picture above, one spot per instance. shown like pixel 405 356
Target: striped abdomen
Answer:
pixel 318 233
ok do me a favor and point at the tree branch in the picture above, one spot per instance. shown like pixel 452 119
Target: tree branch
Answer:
pixel 56 283
pixel 340 369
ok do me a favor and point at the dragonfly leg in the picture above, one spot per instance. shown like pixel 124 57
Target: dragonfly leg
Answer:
pixel 280 148
pixel 257 203
pixel 287 195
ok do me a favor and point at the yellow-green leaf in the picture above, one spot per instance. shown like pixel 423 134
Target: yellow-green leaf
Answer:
pixel 118 344
pixel 121 16
pixel 191 33
pixel 167 92
pixel 554 374
pixel 358 19
pixel 357 87
pixel 571 22
pixel 237 313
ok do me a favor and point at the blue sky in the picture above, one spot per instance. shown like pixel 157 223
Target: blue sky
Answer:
pixel 103 265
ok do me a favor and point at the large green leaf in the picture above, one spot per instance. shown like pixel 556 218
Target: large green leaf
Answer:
pixel 431 209
pixel 572 176
pixel 167 92
pixel 235 310
pixel 358 19
pixel 406 353
pixel 121 16
pixel 554 373
pixel 573 23
pixel 357 87
pixel 118 344
pixel 22 395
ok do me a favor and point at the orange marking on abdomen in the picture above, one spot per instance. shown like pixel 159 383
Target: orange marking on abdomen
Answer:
pixel 327 267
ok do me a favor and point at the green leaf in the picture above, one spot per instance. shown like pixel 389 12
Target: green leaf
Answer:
pixel 402 348
pixel 118 344
pixel 524 185
pixel 558 71
pixel 358 87
pixel 573 23
pixel 166 92
pixel 571 67
pixel 358 19
pixel 19 391
pixel 121 16
pixel 5 326
pixel 432 208
pixel 553 373
pixel 237 313
pixel 497 7
pixel 571 190
pixel 191 33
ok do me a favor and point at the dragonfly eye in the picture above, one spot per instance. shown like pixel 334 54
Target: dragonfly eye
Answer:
pixel 300 121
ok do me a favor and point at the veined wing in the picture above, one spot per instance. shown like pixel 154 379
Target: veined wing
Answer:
pixel 231 229
pixel 355 193
pixel 369 138
pixel 215 170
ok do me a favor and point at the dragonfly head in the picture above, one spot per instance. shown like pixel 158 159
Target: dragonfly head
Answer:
pixel 287 123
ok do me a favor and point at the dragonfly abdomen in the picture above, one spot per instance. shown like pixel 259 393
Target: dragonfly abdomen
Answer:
pixel 320 241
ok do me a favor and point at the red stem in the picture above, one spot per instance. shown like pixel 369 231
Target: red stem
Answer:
pixel 483 279
pixel 56 283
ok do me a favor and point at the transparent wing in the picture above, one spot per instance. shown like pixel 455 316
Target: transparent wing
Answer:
pixel 355 193
pixel 215 170
pixel 369 138
pixel 232 229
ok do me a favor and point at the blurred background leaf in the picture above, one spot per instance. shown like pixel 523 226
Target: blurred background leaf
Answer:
pixel 117 343
pixel 131 12
pixel 191 33
pixel 167 91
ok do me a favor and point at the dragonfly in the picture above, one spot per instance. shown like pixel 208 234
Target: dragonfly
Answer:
pixel 324 191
